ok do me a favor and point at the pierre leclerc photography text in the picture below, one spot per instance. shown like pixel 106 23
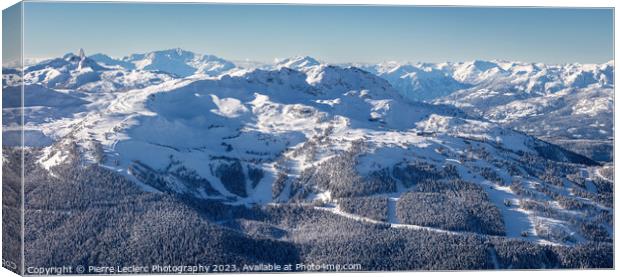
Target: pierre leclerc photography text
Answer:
pixel 199 138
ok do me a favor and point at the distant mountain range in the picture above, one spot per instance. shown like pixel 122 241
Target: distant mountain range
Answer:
pixel 557 103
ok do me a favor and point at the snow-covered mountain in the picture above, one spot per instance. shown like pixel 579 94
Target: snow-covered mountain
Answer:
pixel 286 152
pixel 502 82
pixel 558 103
pixel 81 73
pixel 504 92
pixel 176 61
pixel 70 71
pixel 417 82
pixel 530 79
pixel 554 102
pixel 108 61
pixel 302 132
pixel 298 63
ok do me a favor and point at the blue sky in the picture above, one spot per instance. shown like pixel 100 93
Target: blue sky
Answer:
pixel 330 33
